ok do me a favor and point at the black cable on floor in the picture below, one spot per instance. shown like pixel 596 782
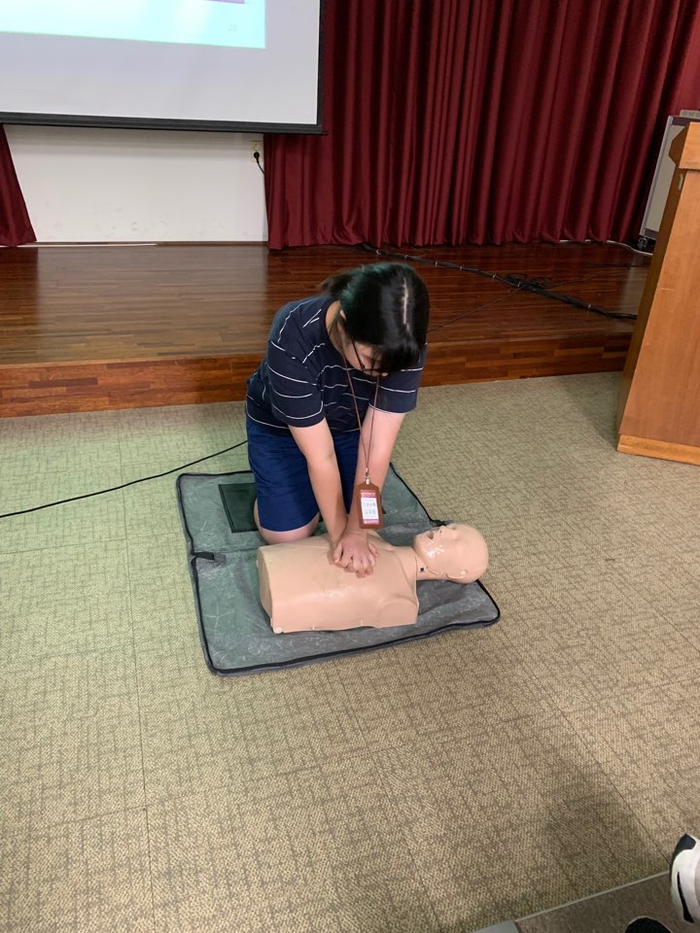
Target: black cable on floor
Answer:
pixel 521 282
pixel 133 482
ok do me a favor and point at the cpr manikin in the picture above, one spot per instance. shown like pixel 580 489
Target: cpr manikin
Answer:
pixel 301 589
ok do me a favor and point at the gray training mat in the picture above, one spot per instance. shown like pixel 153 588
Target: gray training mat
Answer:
pixel 222 544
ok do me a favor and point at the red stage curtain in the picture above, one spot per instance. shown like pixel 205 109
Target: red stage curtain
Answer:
pixel 470 121
pixel 15 226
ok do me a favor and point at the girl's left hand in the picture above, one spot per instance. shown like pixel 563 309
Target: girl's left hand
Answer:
pixel 356 553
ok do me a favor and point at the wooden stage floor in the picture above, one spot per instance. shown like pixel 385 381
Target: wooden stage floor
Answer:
pixel 87 328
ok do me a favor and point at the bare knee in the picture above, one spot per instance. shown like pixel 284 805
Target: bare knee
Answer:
pixel 285 537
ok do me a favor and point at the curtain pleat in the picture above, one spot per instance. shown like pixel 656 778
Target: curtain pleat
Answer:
pixel 15 226
pixel 469 121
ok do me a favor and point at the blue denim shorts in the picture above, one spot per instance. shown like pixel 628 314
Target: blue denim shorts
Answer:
pixel 285 498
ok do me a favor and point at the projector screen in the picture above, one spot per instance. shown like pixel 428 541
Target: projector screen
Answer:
pixel 198 64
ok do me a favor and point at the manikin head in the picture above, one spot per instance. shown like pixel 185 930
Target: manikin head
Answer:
pixel 455 552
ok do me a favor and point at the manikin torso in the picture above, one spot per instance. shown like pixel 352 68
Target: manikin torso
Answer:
pixel 301 589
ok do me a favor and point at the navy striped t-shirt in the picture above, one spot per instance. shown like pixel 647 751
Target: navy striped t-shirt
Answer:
pixel 303 380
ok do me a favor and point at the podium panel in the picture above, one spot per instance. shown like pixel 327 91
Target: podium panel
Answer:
pixel 659 400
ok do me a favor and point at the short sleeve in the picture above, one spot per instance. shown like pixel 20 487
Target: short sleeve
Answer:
pixel 293 394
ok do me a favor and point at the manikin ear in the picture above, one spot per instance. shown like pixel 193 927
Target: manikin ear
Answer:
pixel 457 576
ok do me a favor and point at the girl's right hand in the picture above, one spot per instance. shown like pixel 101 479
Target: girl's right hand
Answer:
pixel 355 553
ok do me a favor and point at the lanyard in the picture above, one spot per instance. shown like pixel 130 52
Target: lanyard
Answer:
pixel 368 449
pixel 369 498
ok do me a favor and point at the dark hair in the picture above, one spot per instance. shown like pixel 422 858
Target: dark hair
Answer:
pixel 386 306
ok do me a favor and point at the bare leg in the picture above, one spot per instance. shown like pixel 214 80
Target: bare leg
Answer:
pixel 283 537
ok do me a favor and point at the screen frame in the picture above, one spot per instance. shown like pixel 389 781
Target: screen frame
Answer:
pixel 215 126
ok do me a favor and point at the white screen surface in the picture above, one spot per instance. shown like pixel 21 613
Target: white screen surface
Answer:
pixel 210 64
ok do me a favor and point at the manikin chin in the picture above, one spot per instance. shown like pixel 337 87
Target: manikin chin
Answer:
pixel 302 590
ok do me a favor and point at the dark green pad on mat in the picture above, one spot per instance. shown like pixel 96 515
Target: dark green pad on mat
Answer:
pixel 222 543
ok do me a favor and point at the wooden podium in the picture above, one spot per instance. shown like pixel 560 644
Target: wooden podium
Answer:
pixel 658 411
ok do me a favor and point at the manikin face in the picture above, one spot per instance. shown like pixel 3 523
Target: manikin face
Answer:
pixel 457 551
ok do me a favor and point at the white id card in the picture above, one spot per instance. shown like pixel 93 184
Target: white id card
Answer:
pixel 370 506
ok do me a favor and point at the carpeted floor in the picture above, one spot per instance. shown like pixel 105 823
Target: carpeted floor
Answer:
pixel 444 785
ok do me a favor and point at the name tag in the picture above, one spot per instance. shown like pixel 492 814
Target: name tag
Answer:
pixel 370 506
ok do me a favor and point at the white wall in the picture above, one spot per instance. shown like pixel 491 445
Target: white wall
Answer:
pixel 106 185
